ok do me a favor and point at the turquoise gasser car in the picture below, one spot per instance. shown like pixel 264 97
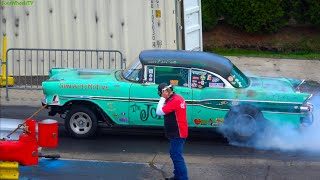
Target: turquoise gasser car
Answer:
pixel 216 91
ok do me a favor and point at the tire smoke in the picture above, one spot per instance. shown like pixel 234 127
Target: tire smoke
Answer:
pixel 286 137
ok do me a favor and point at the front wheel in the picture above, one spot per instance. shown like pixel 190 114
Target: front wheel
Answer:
pixel 81 122
pixel 243 124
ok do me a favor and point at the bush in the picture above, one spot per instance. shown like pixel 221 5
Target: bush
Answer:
pixel 313 12
pixel 303 11
pixel 293 10
pixel 254 15
pixel 209 14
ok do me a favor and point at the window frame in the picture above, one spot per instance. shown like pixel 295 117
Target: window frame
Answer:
pixel 227 83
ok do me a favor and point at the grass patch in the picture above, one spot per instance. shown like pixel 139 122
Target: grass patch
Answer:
pixel 268 54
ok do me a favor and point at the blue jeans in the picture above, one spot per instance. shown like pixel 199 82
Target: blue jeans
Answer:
pixel 180 169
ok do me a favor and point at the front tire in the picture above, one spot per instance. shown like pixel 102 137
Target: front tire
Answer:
pixel 81 122
pixel 243 124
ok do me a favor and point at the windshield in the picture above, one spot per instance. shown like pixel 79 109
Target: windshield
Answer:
pixel 133 72
pixel 237 78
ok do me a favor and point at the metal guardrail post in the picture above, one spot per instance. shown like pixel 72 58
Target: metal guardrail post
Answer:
pixel 4 51
pixel 4 65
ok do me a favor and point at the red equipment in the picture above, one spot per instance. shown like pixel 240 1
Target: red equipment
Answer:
pixel 48 133
pixel 25 150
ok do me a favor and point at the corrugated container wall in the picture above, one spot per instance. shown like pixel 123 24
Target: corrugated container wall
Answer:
pixel 126 25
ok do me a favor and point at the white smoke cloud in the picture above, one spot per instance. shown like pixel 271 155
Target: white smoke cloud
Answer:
pixel 289 138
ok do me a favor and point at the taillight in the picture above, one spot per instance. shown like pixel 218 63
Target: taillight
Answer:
pixel 308 107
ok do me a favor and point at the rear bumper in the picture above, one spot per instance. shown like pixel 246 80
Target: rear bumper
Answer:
pixel 308 119
pixel 54 109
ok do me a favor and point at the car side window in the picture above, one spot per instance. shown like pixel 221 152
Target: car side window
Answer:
pixel 202 79
pixel 134 73
pixel 172 75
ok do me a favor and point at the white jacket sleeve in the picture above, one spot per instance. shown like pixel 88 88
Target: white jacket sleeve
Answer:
pixel 160 105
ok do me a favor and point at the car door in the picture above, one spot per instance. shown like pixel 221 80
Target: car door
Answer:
pixel 115 100
pixel 143 104
pixel 210 96
pixel 144 97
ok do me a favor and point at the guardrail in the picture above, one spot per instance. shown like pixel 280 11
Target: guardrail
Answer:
pixel 29 67
pixel 9 170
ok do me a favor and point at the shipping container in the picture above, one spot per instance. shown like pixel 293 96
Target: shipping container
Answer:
pixel 125 25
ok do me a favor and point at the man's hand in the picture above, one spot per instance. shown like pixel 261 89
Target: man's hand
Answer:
pixel 159 111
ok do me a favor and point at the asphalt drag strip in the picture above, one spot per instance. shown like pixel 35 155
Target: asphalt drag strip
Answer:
pixel 83 169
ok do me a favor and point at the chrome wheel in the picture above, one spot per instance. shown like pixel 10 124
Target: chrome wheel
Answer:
pixel 80 123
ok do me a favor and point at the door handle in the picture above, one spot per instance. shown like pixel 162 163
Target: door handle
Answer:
pixel 185 92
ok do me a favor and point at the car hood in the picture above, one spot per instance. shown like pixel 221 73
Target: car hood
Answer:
pixel 69 74
pixel 276 84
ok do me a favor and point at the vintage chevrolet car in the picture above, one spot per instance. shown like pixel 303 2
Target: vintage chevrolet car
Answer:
pixel 217 94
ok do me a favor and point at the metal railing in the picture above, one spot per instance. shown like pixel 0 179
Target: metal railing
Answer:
pixel 29 67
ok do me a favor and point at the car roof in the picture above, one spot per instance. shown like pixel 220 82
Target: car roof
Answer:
pixel 190 59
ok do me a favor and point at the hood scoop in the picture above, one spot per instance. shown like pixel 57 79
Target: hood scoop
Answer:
pixel 94 72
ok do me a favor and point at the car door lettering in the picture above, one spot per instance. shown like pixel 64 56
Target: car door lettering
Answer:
pixel 83 86
pixel 149 111
pixel 135 107
pixel 145 113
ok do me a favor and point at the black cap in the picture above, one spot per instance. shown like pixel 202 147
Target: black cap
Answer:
pixel 162 86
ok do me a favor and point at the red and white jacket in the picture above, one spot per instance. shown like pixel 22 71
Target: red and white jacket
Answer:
pixel 175 116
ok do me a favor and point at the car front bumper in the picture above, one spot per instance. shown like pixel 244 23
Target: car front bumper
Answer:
pixel 44 101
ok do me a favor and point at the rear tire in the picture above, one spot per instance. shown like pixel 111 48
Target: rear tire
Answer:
pixel 81 122
pixel 243 124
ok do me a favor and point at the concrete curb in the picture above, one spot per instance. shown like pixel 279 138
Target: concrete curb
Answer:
pixel 21 97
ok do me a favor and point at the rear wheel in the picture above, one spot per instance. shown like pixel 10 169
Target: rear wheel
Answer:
pixel 81 122
pixel 243 124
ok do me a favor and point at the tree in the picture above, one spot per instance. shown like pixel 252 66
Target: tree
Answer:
pixel 254 15
pixel 209 14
